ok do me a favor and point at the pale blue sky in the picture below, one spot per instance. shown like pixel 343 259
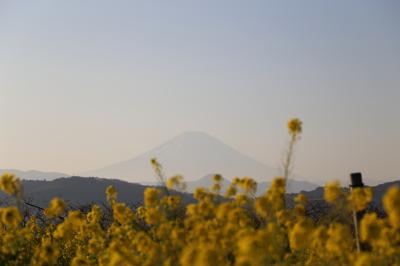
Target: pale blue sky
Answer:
pixel 87 83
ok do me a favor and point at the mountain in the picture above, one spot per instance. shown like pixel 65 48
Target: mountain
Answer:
pixel 193 155
pixel 293 186
pixel 34 174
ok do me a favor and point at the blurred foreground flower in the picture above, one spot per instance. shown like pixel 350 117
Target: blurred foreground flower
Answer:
pixel 295 126
pixel 56 208
pixel 332 192
pixel 10 184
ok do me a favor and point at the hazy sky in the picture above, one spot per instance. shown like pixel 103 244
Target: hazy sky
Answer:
pixel 87 83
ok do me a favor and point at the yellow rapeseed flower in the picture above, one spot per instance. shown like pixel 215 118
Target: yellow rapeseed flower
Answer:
pixel 173 201
pixel 95 245
pixel 300 234
pixel 56 208
pixel 153 216
pixel 339 239
pixel 95 215
pixel 300 199
pixel 371 227
pixel 361 197
pixel 10 184
pixel 216 187
pixel 295 126
pixel 230 191
pixel 391 202
pixel 122 213
pixel 249 185
pixel 151 196
pixel 10 216
pixel 217 178
pixel 47 253
pixel 366 259
pixel 278 184
pixel 176 182
pixel 262 206
pixel 111 194
pixel 80 261
pixel 332 192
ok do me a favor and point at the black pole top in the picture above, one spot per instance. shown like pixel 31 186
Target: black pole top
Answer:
pixel 356 180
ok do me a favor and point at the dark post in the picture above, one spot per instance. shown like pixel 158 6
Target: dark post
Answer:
pixel 356 182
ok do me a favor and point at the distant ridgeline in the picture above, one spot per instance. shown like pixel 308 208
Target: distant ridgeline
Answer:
pixel 86 190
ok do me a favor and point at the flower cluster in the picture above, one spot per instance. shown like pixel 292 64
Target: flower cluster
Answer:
pixel 236 229
pixel 9 184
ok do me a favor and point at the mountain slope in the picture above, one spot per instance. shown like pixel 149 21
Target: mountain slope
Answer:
pixel 192 154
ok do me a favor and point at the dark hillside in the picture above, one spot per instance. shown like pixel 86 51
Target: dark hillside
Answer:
pixel 82 190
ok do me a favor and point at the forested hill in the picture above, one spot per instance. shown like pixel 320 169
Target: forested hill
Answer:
pixel 86 190
pixel 81 190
